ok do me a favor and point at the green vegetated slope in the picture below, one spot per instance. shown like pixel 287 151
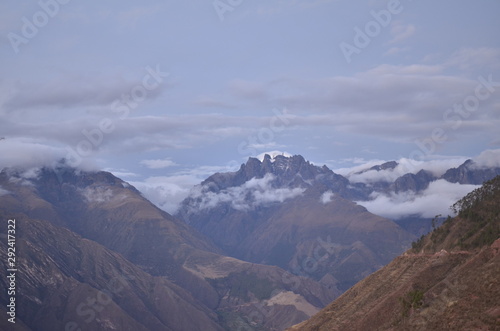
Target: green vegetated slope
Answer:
pixel 477 224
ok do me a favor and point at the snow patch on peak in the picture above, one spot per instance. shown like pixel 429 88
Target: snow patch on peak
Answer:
pixel 273 155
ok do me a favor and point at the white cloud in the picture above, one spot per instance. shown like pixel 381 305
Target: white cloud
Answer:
pixel 469 58
pixel 272 154
pixel 488 159
pixel 361 164
pixel 97 194
pixel 166 192
pixel 436 199
pixel 253 193
pixel 17 152
pixel 437 167
pixel 326 197
pixel 29 154
pixel 72 91
pixel 158 164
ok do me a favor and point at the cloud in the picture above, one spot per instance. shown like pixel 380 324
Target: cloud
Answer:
pixel 436 199
pixel 253 193
pixel 69 91
pixel 470 58
pixel 97 194
pixel 361 165
pixel 135 134
pixel 3 192
pixel 414 98
pixel 326 197
pixel 27 153
pixel 396 50
pixel 401 31
pixel 248 89
pixel 361 174
pixel 213 102
pixel 158 164
pixel 167 192
pixel 488 159
pixel 272 154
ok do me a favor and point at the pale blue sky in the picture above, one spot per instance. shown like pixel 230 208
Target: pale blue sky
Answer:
pixel 228 78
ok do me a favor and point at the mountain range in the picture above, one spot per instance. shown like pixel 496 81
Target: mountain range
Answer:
pixel 285 211
pixel 78 232
pixel 288 212
pixel 261 248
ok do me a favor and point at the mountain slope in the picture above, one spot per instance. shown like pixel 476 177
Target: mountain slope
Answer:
pixel 106 210
pixel 470 173
pixel 287 212
pixel 64 280
pixel 447 281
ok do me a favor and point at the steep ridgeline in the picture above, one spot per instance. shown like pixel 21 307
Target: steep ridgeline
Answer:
pixel 79 232
pixel 408 185
pixel 449 280
pixel 65 282
pixel 467 173
pixel 470 173
pixel 287 212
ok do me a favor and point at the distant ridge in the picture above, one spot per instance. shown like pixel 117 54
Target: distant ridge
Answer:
pixel 447 281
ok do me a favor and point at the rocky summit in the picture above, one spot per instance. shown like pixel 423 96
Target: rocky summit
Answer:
pixel 287 212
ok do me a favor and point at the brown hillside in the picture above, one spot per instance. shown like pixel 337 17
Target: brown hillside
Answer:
pixel 448 281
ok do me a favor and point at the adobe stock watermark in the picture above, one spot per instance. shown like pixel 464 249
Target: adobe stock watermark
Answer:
pixel 94 137
pixel 261 311
pixel 266 135
pixel 372 29
pixel 95 304
pixel 455 116
pixel 222 7
pixel 31 26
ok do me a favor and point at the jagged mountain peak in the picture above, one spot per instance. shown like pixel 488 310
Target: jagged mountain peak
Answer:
pixel 390 165
pixel 269 176
pixel 471 172
pixel 272 155
pixel 285 170
pixel 385 166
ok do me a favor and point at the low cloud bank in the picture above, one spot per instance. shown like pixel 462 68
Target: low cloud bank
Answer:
pixel 436 199
pixel 166 192
pixel 29 154
pixel 362 174
pixel 488 159
pixel 253 193
pixel 436 167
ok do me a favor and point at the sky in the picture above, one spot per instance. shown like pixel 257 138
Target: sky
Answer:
pixel 165 93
